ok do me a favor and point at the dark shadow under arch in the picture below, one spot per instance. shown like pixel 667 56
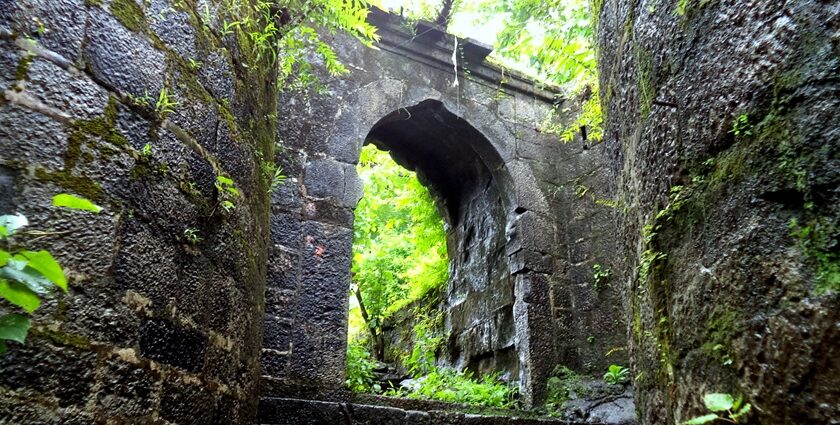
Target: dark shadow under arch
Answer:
pixel 448 154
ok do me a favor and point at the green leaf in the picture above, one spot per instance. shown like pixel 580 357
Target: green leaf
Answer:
pixel 717 402
pixel 9 224
pixel 743 411
pixel 44 262
pixel 14 327
pixel 17 271
pixel 74 202
pixel 4 257
pixel 19 295
pixel 701 419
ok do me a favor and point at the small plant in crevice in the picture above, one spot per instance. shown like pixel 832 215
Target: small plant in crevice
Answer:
pixel 192 236
pixel 581 190
pixel 617 375
pixel 602 276
pixel 227 193
pixel 144 100
pixel 27 276
pixel 195 65
pixel 724 408
pixel 164 105
pixel 146 151
pixel 273 175
pixel 741 126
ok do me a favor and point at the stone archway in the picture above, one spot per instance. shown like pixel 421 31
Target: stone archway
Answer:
pixel 542 238
pixel 470 182
pixel 489 302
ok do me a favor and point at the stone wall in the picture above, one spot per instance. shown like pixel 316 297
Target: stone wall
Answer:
pixel 723 133
pixel 525 214
pixel 154 328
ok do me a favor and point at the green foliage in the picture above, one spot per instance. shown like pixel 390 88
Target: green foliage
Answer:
pixel 602 276
pixel 26 276
pixel 146 151
pixel 74 202
pixel 192 236
pixel 734 409
pixel 461 387
pixel 617 375
pixel 360 367
pixel 563 385
pixel 555 39
pixel 227 192
pixel 164 105
pixel 816 240
pixel 399 246
pixel 427 341
pixel 288 46
pixel 741 126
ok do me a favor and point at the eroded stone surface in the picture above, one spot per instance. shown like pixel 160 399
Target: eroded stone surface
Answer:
pixel 734 104
pixel 154 328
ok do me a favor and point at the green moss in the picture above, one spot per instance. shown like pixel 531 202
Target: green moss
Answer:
pixel 562 386
pixel 100 127
pixel 80 185
pixel 22 71
pixel 92 3
pixel 687 8
pixel 129 14
pixel 816 241
pixel 721 329
pixel 61 338
pixel 110 112
pixel 595 8
pixel 644 79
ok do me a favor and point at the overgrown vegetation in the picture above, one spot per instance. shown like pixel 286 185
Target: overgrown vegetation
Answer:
pixel 555 39
pixel 399 255
pixel 399 246
pixel 460 387
pixel 563 385
pixel 552 40
pixel 360 367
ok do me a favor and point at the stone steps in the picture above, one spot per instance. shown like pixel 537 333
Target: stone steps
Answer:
pixel 289 411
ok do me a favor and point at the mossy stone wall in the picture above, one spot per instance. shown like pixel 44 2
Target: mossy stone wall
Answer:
pixel 155 328
pixel 723 135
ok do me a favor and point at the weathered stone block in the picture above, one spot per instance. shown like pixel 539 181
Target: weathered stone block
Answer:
pixel 63 23
pixel 186 403
pixel 126 390
pixel 274 363
pixel 286 230
pixel 52 365
pixel 126 62
pixel 283 270
pixel 172 344
pixel 277 333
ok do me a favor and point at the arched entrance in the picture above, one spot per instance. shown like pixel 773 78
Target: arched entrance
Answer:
pixel 467 177
pixel 494 264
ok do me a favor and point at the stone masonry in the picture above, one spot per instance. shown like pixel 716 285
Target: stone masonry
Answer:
pixel 523 222
pixel 154 328
pixel 723 130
